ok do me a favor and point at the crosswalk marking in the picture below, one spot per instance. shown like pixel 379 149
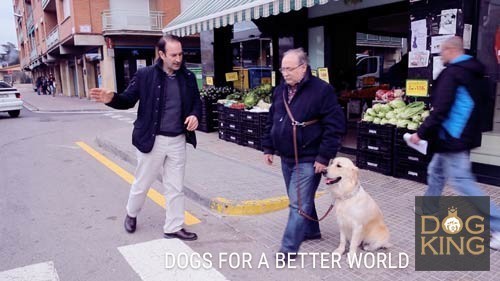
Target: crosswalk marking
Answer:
pixel 35 272
pixel 189 219
pixel 148 260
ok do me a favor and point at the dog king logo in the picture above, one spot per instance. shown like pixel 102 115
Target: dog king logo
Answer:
pixel 452 224
pixel 452 233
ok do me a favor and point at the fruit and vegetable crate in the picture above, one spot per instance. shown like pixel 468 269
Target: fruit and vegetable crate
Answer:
pixel 375 138
pixel 380 163
pixel 251 141
pixel 232 136
pixel 230 125
pixel 409 163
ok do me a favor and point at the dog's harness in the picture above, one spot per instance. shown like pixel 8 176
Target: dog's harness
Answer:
pixel 296 124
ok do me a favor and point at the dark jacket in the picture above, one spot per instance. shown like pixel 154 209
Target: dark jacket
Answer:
pixel 454 124
pixel 314 99
pixel 148 86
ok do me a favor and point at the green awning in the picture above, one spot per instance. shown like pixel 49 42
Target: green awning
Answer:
pixel 205 15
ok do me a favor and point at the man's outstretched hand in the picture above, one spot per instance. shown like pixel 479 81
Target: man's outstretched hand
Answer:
pixel 101 95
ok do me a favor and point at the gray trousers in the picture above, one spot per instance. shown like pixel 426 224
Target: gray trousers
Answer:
pixel 168 157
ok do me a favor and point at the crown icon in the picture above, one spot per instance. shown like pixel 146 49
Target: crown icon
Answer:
pixel 452 211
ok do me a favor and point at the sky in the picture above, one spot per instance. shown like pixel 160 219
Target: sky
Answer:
pixel 8 28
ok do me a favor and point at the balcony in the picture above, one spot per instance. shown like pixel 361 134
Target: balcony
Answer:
pixel 128 20
pixel 49 5
pixel 53 38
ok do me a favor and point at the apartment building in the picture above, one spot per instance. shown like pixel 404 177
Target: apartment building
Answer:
pixel 90 43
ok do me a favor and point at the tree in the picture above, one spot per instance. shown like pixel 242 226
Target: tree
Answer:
pixel 10 55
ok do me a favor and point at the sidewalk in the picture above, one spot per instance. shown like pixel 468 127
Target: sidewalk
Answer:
pixel 233 180
pixel 48 103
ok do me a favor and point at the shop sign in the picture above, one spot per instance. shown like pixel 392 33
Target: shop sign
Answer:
pixel 231 76
pixel 210 80
pixel 323 74
pixel 417 88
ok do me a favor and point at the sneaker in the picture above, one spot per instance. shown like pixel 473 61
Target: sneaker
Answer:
pixel 495 241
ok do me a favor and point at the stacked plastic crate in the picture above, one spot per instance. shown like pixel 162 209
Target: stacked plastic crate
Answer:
pixel 375 147
pixel 209 115
pixel 409 163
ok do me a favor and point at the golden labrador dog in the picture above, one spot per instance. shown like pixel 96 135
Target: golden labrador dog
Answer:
pixel 359 217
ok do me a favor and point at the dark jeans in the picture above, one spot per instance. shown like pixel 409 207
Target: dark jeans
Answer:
pixel 299 227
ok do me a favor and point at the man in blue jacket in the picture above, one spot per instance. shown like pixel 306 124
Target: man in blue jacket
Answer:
pixel 169 109
pixel 454 128
pixel 313 102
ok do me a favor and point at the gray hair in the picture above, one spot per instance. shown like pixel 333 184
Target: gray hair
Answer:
pixel 300 53
pixel 455 42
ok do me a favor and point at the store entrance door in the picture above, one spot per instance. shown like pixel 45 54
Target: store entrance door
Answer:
pixel 128 61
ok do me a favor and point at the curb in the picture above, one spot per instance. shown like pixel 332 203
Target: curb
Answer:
pixel 219 205
pixel 29 106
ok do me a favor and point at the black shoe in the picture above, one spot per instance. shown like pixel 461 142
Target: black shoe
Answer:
pixel 181 234
pixel 313 237
pixel 130 224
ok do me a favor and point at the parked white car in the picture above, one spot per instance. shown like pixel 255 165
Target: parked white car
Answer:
pixel 10 100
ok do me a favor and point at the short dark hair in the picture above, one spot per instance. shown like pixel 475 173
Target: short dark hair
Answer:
pixel 162 43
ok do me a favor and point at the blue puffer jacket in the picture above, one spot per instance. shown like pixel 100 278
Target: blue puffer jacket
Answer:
pixel 315 99
pixel 455 121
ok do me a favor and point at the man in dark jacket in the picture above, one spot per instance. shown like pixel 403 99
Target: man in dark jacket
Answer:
pixel 454 128
pixel 169 109
pixel 309 99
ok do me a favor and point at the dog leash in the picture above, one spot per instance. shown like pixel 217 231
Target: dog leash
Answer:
pixel 296 124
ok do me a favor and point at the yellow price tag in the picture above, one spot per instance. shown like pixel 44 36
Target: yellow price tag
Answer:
pixel 314 73
pixel 417 88
pixel 210 80
pixel 323 74
pixel 231 76
pixel 273 78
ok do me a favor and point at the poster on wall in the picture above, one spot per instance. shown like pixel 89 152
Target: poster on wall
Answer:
pixel 418 59
pixel 437 67
pixel 467 36
pixel 448 22
pixel 419 35
pixel 437 41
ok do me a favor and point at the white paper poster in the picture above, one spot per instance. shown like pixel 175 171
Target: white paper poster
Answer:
pixel 437 41
pixel 448 23
pixel 437 67
pixel 467 36
pixel 419 35
pixel 418 59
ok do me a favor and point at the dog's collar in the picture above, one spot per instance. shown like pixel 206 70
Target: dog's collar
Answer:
pixel 350 195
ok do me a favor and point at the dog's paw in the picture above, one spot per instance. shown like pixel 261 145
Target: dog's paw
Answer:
pixel 351 256
pixel 339 251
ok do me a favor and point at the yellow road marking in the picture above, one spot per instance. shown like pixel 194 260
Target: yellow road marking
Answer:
pixel 189 219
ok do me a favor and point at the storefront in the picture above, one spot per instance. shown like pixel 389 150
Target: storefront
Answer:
pixel 359 48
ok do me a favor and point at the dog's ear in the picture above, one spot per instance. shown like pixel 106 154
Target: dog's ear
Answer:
pixel 355 171
pixel 331 161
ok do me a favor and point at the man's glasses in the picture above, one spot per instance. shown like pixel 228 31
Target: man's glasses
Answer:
pixel 289 69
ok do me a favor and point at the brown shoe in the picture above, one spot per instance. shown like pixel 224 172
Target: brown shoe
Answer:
pixel 181 234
